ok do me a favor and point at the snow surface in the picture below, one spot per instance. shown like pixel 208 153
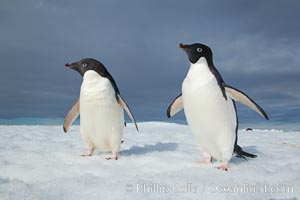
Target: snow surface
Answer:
pixel 159 162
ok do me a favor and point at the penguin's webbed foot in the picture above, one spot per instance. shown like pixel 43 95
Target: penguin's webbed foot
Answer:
pixel 111 158
pixel 86 155
pixel 207 161
pixel 114 156
pixel 89 153
pixel 223 166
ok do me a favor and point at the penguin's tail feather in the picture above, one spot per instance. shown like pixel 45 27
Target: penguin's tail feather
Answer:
pixel 242 154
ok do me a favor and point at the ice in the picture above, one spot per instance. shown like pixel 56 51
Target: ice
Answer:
pixel 159 162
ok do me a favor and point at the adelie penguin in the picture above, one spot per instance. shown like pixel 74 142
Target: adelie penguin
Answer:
pixel 209 107
pixel 100 107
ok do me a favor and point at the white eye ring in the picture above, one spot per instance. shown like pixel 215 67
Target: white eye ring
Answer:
pixel 83 64
pixel 199 50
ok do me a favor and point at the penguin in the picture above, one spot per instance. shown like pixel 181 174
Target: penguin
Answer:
pixel 209 106
pixel 100 107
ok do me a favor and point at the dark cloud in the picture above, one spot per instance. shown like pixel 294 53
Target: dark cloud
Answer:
pixel 256 47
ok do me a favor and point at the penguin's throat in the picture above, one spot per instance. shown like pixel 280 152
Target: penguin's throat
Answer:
pixel 93 83
pixel 91 75
pixel 200 72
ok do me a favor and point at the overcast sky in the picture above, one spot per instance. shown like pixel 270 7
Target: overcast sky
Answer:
pixel 256 48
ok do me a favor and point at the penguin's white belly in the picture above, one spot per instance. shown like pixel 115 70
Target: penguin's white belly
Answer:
pixel 101 117
pixel 211 118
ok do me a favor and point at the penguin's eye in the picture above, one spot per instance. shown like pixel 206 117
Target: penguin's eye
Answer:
pixel 83 64
pixel 199 50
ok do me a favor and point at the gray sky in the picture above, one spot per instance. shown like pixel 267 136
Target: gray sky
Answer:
pixel 256 47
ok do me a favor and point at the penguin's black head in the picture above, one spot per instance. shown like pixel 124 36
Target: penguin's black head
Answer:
pixel 88 64
pixel 196 51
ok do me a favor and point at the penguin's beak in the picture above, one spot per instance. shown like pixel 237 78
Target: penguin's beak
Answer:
pixel 182 46
pixel 68 65
pixel 75 66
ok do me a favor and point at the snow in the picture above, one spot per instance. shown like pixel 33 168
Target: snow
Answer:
pixel 159 162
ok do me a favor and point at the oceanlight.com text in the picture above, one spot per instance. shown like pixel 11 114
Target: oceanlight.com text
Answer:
pixel 247 188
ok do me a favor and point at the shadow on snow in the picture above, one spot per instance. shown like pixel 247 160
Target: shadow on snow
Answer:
pixel 158 147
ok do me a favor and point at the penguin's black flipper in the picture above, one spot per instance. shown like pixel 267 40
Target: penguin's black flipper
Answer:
pixel 242 154
pixel 175 106
pixel 240 96
pixel 127 109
